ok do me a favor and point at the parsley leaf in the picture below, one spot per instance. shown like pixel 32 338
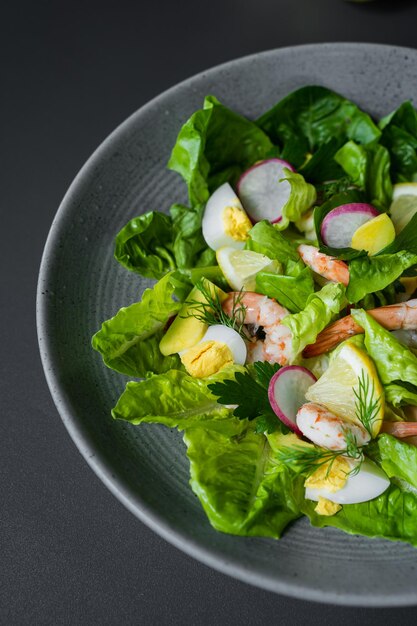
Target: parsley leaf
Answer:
pixel 249 391
pixel 264 372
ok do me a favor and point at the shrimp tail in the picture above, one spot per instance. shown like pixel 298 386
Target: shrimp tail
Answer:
pixel 391 317
pixel 331 336
pixel 400 429
pixel 327 266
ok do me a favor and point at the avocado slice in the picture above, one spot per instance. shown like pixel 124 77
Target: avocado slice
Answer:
pixel 185 331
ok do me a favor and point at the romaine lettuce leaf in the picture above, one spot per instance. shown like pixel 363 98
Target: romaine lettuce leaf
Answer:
pixel 154 243
pixel 369 274
pixel 189 246
pixel 369 168
pixel 292 292
pixel 240 486
pixel 399 395
pixel 380 298
pixel 393 515
pixel 177 400
pixel 321 166
pixel 144 245
pixel 399 135
pixel 320 309
pixel 214 146
pixel 213 273
pixel 393 360
pixel 309 117
pixel 303 195
pixel 405 240
pixel 268 240
pixel 129 341
pixel 398 459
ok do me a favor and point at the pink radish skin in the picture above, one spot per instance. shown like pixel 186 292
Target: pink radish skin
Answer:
pixel 260 191
pixel 286 393
pixel 338 226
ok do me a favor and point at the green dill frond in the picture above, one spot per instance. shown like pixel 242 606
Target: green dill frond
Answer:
pixel 211 311
pixel 307 460
pixel 367 406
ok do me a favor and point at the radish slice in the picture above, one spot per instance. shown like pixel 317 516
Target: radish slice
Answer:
pixel 286 393
pixel 338 226
pixel 261 192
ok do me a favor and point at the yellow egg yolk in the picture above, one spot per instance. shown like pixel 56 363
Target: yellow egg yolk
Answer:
pixel 236 223
pixel 326 507
pixel 207 358
pixel 331 476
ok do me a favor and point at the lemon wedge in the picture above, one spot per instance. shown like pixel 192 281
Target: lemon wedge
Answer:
pixel 374 235
pixel 240 267
pixel 404 204
pixel 350 388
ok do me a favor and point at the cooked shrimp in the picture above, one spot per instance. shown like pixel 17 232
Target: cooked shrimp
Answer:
pixel 326 429
pixel 327 266
pixel 261 311
pixel 391 317
pixel 400 429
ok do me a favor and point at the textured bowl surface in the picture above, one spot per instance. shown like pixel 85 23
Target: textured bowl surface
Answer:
pixel 81 285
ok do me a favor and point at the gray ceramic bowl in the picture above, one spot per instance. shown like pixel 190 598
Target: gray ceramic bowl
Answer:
pixel 81 285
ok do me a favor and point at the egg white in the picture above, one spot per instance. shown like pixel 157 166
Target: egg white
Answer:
pixel 370 482
pixel 231 338
pixel 212 225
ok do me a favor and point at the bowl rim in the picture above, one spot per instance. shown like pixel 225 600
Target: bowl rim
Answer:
pixel 84 441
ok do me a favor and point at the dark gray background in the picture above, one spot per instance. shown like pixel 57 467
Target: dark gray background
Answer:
pixel 70 72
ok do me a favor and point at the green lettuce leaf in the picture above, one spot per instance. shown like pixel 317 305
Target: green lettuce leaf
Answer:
pixel 381 298
pixel 176 400
pixel 371 274
pixel 214 146
pixel 393 515
pixel 393 360
pixel 240 486
pixel 399 135
pixel 154 243
pixel 189 246
pixel 303 195
pixel 321 307
pixel 292 292
pixel 129 341
pixel 145 245
pixel 310 117
pixel 398 459
pixel 268 240
pixel 321 166
pixel 369 168
pixel 213 273
pixel 405 240
pixel 398 395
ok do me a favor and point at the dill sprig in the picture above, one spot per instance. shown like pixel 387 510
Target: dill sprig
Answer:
pixel 308 460
pixel 367 406
pixel 211 311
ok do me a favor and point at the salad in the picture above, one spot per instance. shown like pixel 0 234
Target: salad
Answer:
pixel 280 334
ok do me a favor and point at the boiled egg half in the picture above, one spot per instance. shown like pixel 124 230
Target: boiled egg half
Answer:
pixel 221 346
pixel 225 222
pixel 369 483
